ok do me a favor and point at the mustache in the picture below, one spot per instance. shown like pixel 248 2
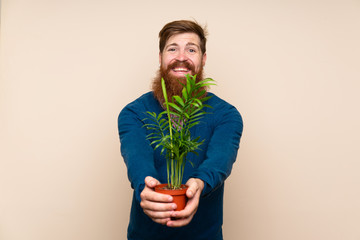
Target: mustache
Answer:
pixel 184 64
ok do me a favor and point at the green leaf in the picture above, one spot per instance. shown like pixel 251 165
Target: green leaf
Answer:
pixel 207 106
pixel 199 94
pixel 186 115
pixel 206 80
pixel 176 107
pixel 175 113
pixel 184 93
pixel 179 100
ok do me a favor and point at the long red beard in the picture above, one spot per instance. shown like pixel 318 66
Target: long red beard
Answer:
pixel 173 87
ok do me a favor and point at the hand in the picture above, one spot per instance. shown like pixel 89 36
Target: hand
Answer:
pixel 157 206
pixel 183 217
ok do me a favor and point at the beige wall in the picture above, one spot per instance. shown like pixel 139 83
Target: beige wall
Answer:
pixel 290 67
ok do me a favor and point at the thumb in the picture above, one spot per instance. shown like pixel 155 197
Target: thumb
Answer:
pixel 192 189
pixel 151 182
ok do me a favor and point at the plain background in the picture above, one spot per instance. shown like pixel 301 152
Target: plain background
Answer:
pixel 292 68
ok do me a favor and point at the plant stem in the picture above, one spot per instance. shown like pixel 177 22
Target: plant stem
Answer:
pixel 167 106
pixel 170 130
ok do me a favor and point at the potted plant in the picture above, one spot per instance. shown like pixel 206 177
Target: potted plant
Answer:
pixel 170 131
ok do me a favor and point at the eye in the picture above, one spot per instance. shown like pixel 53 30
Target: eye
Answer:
pixel 192 50
pixel 171 50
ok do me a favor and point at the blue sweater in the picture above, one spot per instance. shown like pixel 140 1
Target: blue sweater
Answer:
pixel 221 129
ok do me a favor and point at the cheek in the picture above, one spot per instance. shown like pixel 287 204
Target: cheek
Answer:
pixel 197 59
pixel 166 61
pixel 198 63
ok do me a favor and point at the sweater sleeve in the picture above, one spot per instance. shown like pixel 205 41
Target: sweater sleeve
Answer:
pixel 222 149
pixel 135 148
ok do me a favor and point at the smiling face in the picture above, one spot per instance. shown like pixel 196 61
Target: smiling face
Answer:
pixel 182 55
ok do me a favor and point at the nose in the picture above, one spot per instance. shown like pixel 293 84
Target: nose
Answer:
pixel 181 56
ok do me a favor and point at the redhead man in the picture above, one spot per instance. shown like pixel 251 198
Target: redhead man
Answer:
pixel 153 215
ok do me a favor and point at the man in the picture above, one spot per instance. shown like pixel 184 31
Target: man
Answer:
pixel 153 215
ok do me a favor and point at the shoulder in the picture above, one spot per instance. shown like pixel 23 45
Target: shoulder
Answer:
pixel 223 111
pixel 146 98
pixel 144 102
pixel 219 104
pixel 139 106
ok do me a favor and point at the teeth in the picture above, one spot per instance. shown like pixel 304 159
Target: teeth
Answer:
pixel 180 69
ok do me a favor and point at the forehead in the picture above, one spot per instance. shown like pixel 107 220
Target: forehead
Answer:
pixel 183 39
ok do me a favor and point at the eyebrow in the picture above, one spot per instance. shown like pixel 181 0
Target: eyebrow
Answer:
pixel 187 45
pixel 193 44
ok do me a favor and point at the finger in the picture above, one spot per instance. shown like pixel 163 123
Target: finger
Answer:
pixel 193 188
pixel 158 214
pixel 190 192
pixel 162 221
pixel 158 217
pixel 179 222
pixel 159 207
pixel 151 182
pixel 188 211
pixel 150 195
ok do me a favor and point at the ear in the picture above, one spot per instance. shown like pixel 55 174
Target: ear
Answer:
pixel 204 59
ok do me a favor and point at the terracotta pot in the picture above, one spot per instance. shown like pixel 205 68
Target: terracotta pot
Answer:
pixel 179 195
